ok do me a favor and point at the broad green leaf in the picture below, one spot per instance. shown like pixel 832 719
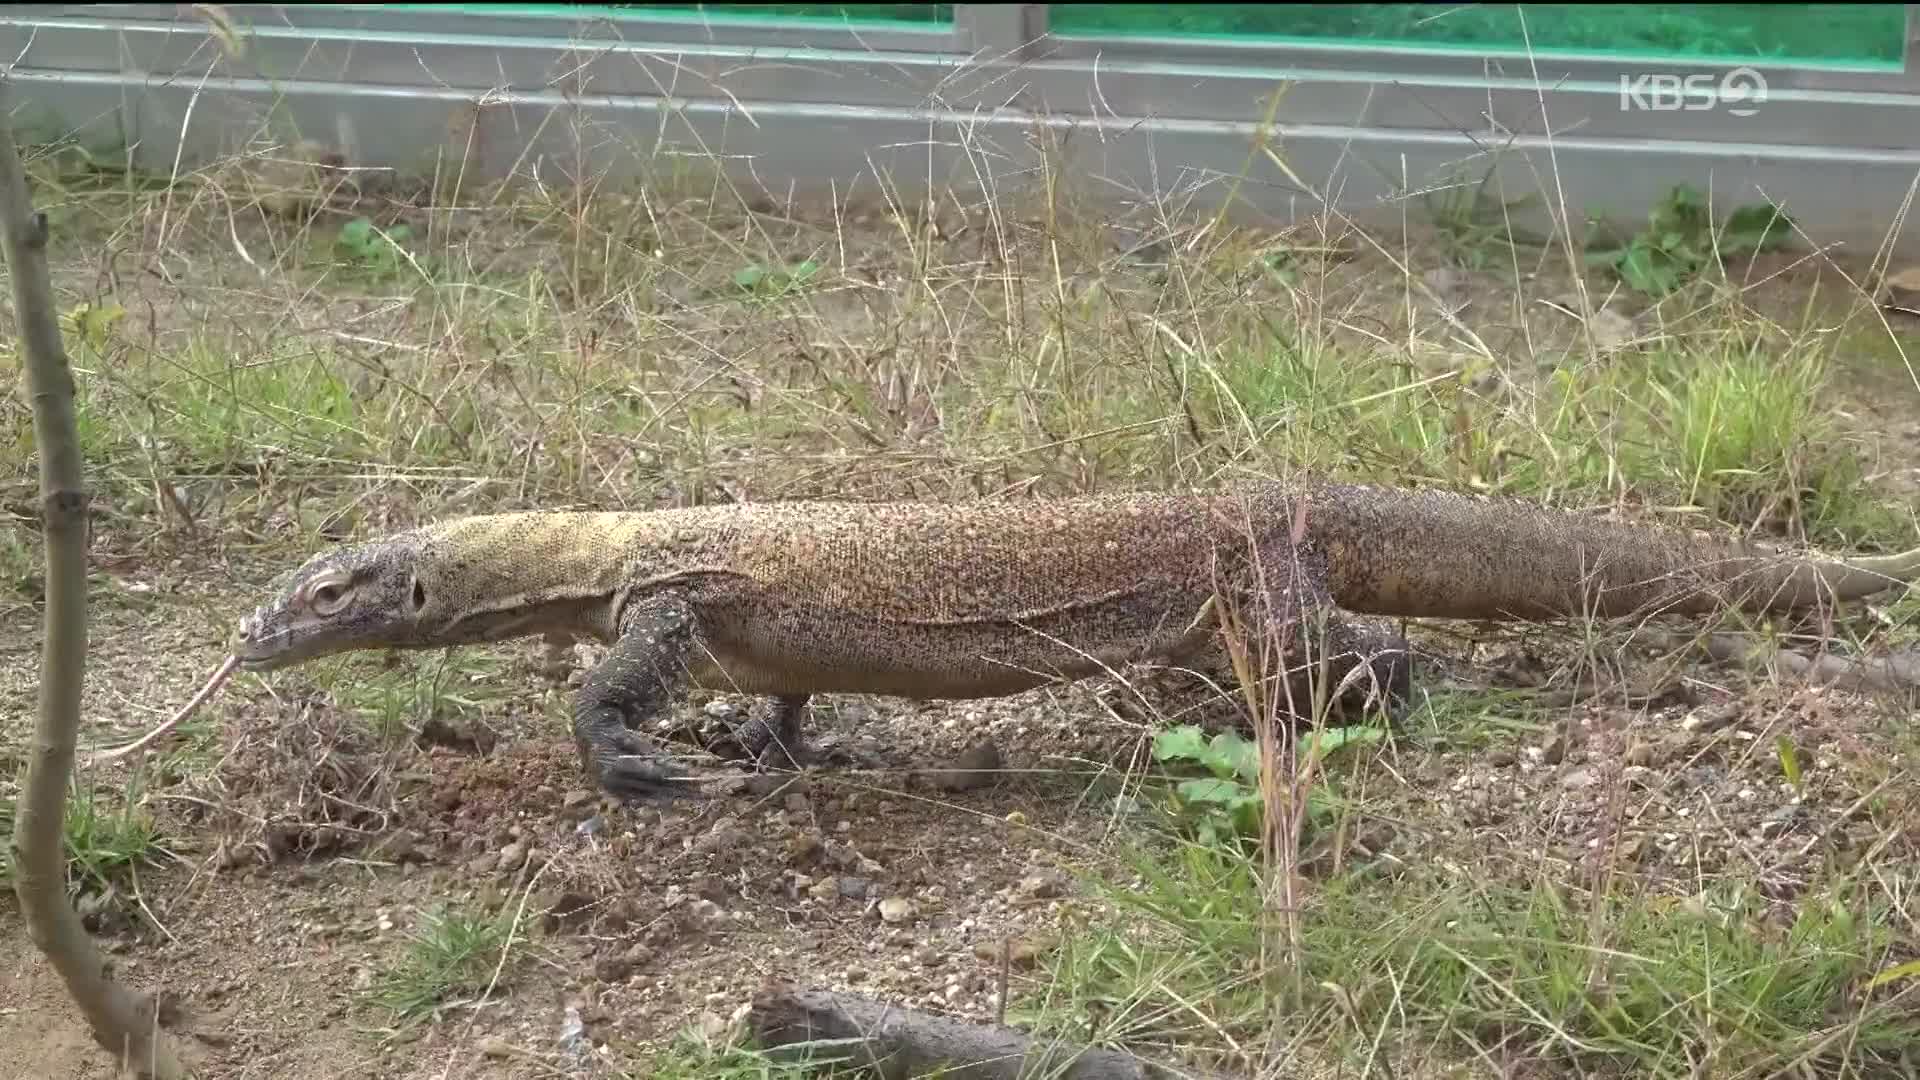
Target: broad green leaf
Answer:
pixel 1219 792
pixel 1331 740
pixel 357 234
pixel 1183 742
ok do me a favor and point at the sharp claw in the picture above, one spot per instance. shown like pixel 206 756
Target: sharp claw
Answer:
pixel 631 769
pixel 729 748
pixel 643 778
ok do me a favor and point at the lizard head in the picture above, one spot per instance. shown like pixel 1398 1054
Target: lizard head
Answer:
pixel 362 596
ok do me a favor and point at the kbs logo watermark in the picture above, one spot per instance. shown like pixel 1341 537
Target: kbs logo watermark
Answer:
pixel 1739 92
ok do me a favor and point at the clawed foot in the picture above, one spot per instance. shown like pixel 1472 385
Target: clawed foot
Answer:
pixel 732 746
pixel 631 769
pixel 831 756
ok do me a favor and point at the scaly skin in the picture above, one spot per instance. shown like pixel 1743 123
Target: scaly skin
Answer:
pixel 925 601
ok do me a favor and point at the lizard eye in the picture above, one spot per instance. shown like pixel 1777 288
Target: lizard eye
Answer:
pixel 327 598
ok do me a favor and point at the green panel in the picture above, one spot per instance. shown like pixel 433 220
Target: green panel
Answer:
pixel 1856 35
pixel 917 15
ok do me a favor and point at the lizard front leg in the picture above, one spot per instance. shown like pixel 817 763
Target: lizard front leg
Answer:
pixel 646 667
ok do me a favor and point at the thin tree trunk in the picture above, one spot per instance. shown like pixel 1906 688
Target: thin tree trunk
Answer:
pixel 122 1021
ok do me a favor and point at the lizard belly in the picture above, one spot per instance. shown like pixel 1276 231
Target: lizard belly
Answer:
pixel 796 652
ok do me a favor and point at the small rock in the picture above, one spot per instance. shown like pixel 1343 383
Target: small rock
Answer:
pixel 1554 750
pixel 1781 819
pixel 1579 779
pixel 1640 754
pixel 1450 286
pixel 896 909
pixel 853 888
pixel 1711 719
pixel 511 857
pixel 797 803
pixel 1501 757
pixel 804 847
pixel 1611 330
pixel 613 969
pixel 577 804
pixel 720 710
pixel 593 826
pixel 573 1033
pixel 1044 885
pixel 399 846
pixel 712 1026
pixel 1022 952
pixel 495 1048
pixel 827 888
pixel 725 835
pixel 567 912
pixel 706 912
pixel 977 768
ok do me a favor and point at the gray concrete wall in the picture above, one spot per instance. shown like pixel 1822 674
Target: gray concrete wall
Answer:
pixel 815 109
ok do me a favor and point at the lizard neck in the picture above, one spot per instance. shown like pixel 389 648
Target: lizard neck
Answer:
pixel 501 576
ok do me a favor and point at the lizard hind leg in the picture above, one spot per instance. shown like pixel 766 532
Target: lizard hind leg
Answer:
pixel 770 735
pixel 773 737
pixel 1372 661
pixel 642 672
pixel 1367 664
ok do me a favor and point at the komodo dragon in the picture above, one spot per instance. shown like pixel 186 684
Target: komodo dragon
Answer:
pixel 790 599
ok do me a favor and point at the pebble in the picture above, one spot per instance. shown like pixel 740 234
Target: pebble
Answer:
pixel 400 845
pixel 1710 719
pixel 1554 750
pixel 712 1025
pixel 978 767
pixel 895 909
pixel 1022 952
pixel 706 912
pixel 511 857
pixel 1043 885
pixel 1579 779
pixel 613 969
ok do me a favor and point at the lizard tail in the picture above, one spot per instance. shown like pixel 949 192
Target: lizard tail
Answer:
pixel 1424 553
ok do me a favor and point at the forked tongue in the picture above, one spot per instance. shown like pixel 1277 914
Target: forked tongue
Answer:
pixel 213 683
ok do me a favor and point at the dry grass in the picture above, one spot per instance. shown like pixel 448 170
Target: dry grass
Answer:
pixel 256 382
